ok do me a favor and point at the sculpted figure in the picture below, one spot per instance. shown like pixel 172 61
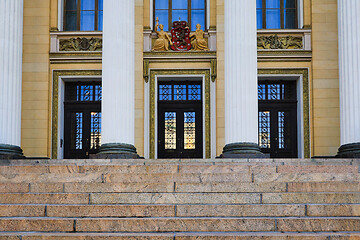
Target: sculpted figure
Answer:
pixel 162 43
pixel 198 42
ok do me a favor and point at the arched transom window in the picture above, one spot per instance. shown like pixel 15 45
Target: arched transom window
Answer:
pixel 276 14
pixel 83 15
pixel 192 11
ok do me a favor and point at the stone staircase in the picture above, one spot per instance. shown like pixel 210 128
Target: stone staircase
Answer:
pixel 180 199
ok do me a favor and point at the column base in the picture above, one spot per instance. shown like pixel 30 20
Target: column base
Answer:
pixel 243 150
pixel 351 150
pixel 10 152
pixel 116 151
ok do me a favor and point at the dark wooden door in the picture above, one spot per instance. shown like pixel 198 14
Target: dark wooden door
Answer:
pixel 278 119
pixel 180 120
pixel 82 120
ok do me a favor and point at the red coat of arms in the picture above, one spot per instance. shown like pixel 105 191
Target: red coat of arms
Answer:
pixel 180 35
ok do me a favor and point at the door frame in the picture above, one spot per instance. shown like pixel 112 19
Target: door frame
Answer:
pixel 302 113
pixel 170 78
pixel 185 106
pixel 60 77
pixel 150 114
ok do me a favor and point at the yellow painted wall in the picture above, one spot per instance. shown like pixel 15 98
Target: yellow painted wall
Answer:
pixel 325 85
pixel 139 80
pixel 35 89
pixel 220 90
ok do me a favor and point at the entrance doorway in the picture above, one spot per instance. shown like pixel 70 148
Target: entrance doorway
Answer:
pixel 180 119
pixel 278 118
pixel 82 125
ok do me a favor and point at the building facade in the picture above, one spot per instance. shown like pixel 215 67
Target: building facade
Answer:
pixel 179 78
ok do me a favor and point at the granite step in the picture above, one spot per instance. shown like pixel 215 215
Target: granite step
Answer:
pixel 216 187
pixel 180 199
pixel 179 236
pixel 175 224
pixel 215 167
pixel 125 178
pixel 228 161
pixel 184 210
pixel 178 177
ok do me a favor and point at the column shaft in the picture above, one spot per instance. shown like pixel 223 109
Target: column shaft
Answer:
pixel 241 101
pixel 118 76
pixel 11 34
pixel 349 74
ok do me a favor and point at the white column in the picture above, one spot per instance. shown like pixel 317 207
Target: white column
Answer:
pixel 241 100
pixel 349 70
pixel 118 76
pixel 11 33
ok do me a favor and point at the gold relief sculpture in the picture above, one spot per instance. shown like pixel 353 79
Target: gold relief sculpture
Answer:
pixel 80 44
pixel 162 43
pixel 276 42
pixel 197 40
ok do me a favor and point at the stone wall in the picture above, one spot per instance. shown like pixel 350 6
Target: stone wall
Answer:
pixel 326 113
pixel 35 134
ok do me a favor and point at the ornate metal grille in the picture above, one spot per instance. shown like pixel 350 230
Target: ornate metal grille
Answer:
pixel 264 129
pixel 278 118
pixel 276 91
pixel 98 93
pixel 262 92
pixel 77 130
pixel 281 122
pixel 189 130
pixel 165 92
pixel 194 92
pixel 95 134
pixel 170 130
pixel 180 92
pixel 76 92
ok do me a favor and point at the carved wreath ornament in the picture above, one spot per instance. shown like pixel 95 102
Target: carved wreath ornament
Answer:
pixel 276 42
pixel 80 44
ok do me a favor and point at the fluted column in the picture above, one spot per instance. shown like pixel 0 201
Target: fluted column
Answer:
pixel 349 73
pixel 241 101
pixel 11 32
pixel 118 79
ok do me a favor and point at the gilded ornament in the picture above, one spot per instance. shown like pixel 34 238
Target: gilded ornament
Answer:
pixel 163 40
pixel 198 42
pixel 276 42
pixel 80 44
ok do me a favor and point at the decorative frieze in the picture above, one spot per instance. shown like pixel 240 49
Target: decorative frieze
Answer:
pixel 80 44
pixel 279 42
